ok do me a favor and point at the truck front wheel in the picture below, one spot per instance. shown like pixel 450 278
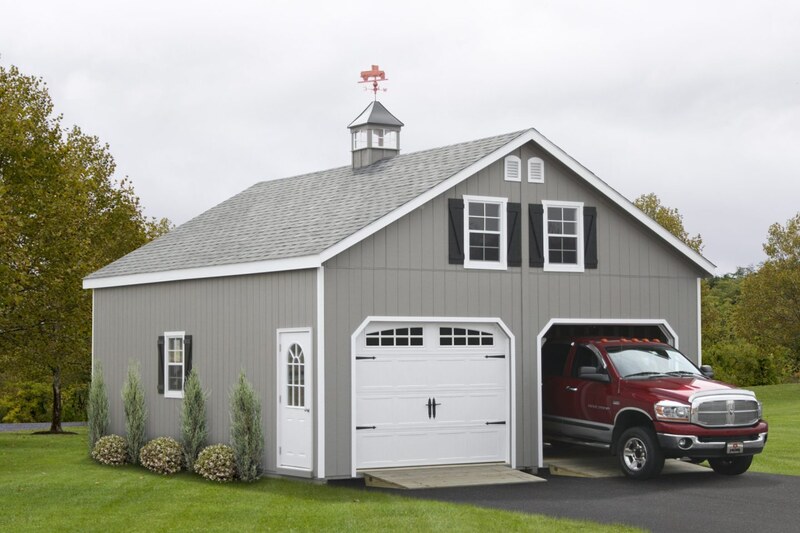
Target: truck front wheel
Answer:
pixel 731 466
pixel 639 454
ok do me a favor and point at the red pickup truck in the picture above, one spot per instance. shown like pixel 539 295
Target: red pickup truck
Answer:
pixel 645 401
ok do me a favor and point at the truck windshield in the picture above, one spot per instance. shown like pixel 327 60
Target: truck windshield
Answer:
pixel 647 361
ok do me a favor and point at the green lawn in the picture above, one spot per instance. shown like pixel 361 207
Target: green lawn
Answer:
pixel 48 483
pixel 782 411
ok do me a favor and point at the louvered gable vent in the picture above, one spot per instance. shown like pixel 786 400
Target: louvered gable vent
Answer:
pixel 513 168
pixel 535 170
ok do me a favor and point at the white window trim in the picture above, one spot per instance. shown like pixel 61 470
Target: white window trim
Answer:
pixel 487 265
pixel 559 267
pixel 174 335
pixel 518 161
pixel 530 162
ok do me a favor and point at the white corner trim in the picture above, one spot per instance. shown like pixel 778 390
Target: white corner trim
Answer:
pixel 93 337
pixel 699 322
pixel 218 271
pixel 540 337
pixel 320 395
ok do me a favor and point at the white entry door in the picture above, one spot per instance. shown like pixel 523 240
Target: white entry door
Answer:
pixel 295 445
pixel 431 393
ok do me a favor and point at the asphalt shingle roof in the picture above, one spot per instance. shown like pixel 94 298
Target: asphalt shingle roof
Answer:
pixel 303 215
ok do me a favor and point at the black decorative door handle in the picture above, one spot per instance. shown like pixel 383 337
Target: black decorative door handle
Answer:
pixel 430 406
pixel 434 407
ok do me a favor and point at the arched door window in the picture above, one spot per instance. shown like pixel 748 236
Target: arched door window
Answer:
pixel 295 382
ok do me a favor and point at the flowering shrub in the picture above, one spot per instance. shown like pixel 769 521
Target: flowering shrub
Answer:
pixel 110 450
pixel 217 463
pixel 162 455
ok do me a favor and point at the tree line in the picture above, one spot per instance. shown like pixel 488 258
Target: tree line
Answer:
pixel 751 317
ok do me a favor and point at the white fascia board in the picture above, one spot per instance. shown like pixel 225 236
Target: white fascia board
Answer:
pixel 426 197
pixel 621 201
pixel 219 271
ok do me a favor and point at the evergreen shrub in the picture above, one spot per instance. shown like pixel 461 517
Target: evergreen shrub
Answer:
pixel 247 437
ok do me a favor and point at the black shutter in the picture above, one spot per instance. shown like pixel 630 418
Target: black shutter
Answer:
pixel 590 237
pixel 514 226
pixel 455 239
pixel 536 234
pixel 161 364
pixel 187 354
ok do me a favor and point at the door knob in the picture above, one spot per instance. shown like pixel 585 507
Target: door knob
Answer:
pixel 572 389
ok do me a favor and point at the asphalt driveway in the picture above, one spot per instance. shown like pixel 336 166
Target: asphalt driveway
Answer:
pixel 684 502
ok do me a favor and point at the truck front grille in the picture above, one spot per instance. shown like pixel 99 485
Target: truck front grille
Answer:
pixel 723 412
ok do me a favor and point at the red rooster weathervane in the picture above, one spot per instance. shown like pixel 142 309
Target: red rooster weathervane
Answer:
pixel 375 76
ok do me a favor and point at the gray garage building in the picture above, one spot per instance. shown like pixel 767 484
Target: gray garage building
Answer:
pixel 392 312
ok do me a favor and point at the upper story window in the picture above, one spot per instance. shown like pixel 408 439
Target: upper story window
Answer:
pixel 563 242
pixel 513 168
pixel 485 232
pixel 174 362
pixel 535 170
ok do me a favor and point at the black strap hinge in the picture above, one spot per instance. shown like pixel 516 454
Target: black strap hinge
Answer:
pixel 496 423
pixel 495 356
pixel 373 427
pixel 360 357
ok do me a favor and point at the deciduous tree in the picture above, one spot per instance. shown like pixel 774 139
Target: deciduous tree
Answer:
pixel 669 218
pixel 62 215
pixel 768 314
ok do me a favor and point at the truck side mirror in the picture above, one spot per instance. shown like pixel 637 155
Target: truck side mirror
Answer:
pixel 591 373
pixel 707 371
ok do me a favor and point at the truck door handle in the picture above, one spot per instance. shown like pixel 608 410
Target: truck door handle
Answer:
pixel 572 389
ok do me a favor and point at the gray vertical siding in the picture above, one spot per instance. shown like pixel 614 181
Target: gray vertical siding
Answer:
pixel 403 270
pixel 233 322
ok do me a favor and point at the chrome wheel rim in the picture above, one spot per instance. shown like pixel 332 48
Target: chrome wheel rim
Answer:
pixel 635 454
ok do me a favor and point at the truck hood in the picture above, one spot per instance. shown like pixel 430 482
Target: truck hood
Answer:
pixel 680 388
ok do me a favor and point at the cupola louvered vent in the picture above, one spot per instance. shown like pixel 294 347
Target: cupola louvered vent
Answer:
pixel 535 170
pixel 513 168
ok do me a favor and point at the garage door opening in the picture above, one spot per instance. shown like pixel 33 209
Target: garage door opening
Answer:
pixel 630 331
pixel 431 392
pixel 565 328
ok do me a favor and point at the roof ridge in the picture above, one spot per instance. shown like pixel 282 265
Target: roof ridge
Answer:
pixel 399 156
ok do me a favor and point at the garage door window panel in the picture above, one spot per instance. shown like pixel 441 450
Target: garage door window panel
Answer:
pixel 398 337
pixel 450 336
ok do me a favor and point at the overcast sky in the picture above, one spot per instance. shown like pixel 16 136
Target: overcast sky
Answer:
pixel 698 102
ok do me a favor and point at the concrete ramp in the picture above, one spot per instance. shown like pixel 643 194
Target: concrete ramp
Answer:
pixel 430 477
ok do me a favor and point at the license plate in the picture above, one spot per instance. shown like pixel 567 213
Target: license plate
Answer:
pixel 735 447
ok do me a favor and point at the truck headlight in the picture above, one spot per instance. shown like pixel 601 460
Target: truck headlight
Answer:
pixel 759 409
pixel 670 411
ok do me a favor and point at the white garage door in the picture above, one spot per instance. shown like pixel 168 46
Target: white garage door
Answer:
pixel 431 393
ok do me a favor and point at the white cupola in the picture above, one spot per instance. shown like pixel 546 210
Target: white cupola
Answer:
pixel 375 135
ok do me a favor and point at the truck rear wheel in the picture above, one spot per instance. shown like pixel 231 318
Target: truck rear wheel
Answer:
pixel 731 466
pixel 639 454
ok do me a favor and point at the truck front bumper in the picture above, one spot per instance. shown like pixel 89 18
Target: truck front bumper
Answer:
pixel 703 447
